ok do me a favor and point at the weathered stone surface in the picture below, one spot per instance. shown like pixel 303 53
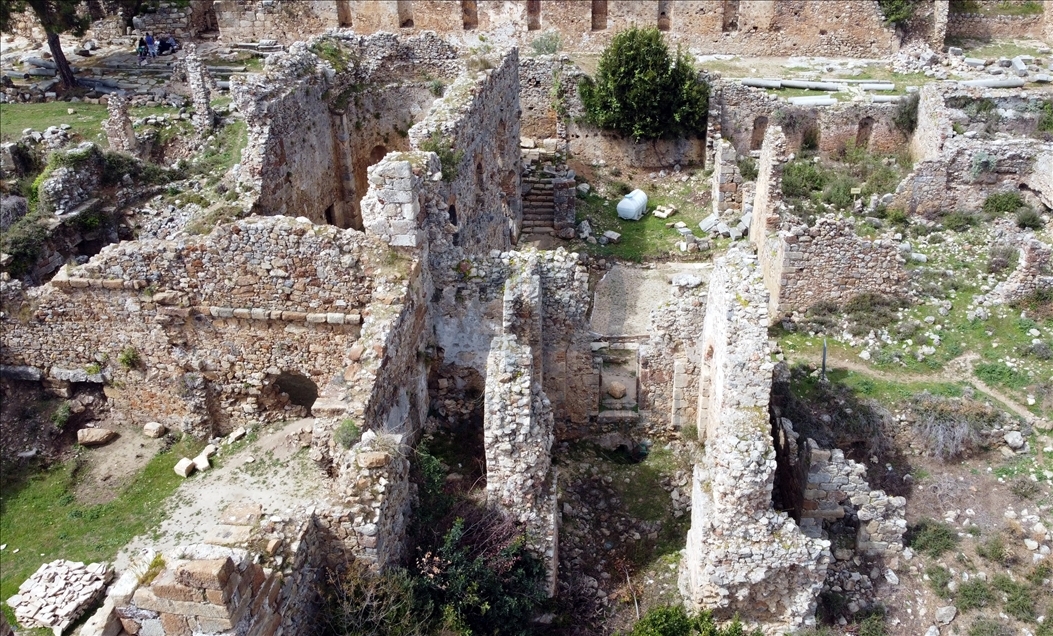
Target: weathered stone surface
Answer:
pixel 184 467
pixel 95 436
pixel 946 614
pixel 616 390
pixel 154 429
pixel 58 593
pixel 210 574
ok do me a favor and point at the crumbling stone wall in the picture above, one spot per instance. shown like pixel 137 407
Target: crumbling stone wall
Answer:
pixel 837 487
pixel 173 18
pixel 746 112
pixel 287 22
pixel 313 132
pixel 118 126
pixel 805 265
pixel 220 315
pixel 1032 274
pixel 742 556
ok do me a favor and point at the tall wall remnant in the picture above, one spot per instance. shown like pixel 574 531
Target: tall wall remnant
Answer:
pixel 118 127
pixel 200 82
pixel 743 558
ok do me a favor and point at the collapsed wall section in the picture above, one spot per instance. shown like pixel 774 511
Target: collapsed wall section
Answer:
pixel 742 557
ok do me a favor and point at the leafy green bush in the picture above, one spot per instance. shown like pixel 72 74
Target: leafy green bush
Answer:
pixel 959 221
pixel 666 620
pixel 61 415
pixel 129 358
pixel 801 177
pixel 974 594
pixel 1045 122
pixel 748 168
pixel 1019 602
pixel 896 12
pixel 931 537
pixel 838 192
pixel 449 159
pixel 484 591
pixel 897 216
pixel 643 92
pixel 361 603
pixel 347 433
pixel 437 87
pixel 548 43
pixel 1027 218
pixel 24 240
pixel 939 577
pixel 873 625
pixel 1001 203
pixel 983 163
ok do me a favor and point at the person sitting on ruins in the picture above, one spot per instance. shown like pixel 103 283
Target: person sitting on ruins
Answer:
pixel 166 45
pixel 142 50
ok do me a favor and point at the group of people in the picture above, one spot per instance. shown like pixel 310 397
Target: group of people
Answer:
pixel 149 46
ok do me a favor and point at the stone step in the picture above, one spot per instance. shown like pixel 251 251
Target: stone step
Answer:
pixel 539 230
pixel 328 407
pixel 618 417
pixel 531 223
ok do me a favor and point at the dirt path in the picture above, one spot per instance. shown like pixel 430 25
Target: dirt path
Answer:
pixel 626 295
pixel 958 370
pixel 272 470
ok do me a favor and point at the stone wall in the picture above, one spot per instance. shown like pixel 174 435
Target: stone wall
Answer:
pixel 743 558
pixel 758 27
pixel 220 339
pixel 746 112
pixel 996 27
pixel 727 180
pixel 836 487
pixel 313 131
pixel 1032 274
pixel 172 18
pixel 805 265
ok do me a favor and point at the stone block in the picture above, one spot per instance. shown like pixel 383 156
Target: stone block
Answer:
pixel 154 429
pixel 145 599
pixel 374 459
pixel 165 586
pixel 95 436
pixel 209 574
pixel 184 467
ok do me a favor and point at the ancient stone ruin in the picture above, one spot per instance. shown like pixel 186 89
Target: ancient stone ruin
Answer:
pixel 384 265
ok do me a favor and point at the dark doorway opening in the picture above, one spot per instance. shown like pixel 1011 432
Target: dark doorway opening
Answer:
pixel 665 15
pixel 731 15
pixel 533 15
pixel 343 13
pixel 405 11
pixel 760 126
pixel 469 14
pixel 300 389
pixel 866 127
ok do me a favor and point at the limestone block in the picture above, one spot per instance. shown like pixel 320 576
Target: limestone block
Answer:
pixel 201 462
pixel 209 574
pixel 184 467
pixel 95 436
pixel 373 459
pixel 154 429
pixel 616 390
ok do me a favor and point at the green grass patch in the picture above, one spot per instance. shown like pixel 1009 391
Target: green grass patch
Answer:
pixel 225 151
pixel 999 374
pixel 974 594
pixel 85 122
pixel 939 577
pixel 931 537
pixel 39 515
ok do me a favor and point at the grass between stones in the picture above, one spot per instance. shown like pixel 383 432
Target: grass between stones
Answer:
pixel 40 516
pixel 86 122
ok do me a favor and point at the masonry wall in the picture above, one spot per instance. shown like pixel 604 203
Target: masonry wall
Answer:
pixel 991 27
pixel 804 265
pixel 742 557
pixel 746 111
pixel 794 27
pixel 221 316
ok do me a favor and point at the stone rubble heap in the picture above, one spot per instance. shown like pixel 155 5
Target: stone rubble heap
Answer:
pixel 58 593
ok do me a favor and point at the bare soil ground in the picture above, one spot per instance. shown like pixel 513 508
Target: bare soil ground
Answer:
pixel 269 467
pixel 626 295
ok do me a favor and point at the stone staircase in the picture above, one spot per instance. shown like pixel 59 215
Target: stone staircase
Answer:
pixel 538 207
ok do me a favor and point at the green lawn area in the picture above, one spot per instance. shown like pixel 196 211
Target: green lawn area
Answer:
pixel 40 517
pixel 86 121
pixel 975 48
pixel 647 238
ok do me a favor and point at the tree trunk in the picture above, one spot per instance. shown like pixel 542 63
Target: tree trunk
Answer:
pixel 64 71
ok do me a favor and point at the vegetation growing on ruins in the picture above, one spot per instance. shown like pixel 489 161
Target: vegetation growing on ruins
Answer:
pixel 897 12
pixel 449 159
pixel 347 433
pixel 643 92
pixel 906 117
pixel 41 514
pixel 665 620
pixel 548 43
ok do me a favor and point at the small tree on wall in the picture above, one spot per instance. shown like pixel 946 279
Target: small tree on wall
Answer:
pixel 643 92
pixel 897 12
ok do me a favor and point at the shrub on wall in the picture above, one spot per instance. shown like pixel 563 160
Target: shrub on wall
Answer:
pixel 641 91
pixel 897 12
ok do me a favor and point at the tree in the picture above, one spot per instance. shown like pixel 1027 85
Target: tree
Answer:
pixel 897 12
pixel 642 91
pixel 56 16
